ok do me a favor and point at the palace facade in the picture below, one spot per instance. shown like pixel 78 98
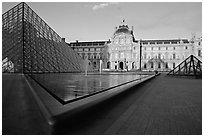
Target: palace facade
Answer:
pixel 124 53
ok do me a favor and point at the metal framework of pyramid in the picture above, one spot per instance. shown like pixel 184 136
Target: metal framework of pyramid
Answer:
pixel 29 45
pixel 191 66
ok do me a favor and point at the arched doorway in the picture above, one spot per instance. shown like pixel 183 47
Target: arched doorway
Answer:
pixel 94 64
pixel 108 65
pixel 121 65
pixel 133 65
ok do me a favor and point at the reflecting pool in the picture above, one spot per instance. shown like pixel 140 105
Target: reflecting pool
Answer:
pixel 66 87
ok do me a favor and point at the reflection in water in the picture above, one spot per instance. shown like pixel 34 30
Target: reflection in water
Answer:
pixel 72 86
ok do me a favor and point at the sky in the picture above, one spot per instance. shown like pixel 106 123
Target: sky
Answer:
pixel 92 21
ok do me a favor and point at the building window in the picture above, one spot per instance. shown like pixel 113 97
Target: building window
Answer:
pixel 166 42
pixel 145 55
pixel 174 65
pixel 166 65
pixel 186 47
pixel 145 65
pixel 166 48
pixel 199 43
pixel 94 64
pixel 199 53
pixel 152 48
pixel 174 48
pixel 174 56
pixel 98 56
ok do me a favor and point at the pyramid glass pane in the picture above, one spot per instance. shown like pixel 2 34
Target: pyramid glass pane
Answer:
pixel 34 47
pixel 12 39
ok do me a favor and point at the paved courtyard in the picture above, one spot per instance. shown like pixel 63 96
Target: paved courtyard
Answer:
pixel 163 105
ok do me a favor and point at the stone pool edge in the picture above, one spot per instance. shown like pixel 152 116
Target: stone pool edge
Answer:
pixel 52 110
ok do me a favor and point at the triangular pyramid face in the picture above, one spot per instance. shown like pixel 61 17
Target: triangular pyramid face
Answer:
pixel 31 46
pixel 189 67
pixel 12 39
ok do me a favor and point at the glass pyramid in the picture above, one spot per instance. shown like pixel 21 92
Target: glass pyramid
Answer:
pixel 29 45
pixel 191 66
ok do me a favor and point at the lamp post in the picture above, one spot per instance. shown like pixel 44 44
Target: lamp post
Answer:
pixel 140 56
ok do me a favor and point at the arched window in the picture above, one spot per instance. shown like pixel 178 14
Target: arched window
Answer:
pixel 145 65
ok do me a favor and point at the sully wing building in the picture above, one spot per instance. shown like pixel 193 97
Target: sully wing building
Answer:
pixel 124 53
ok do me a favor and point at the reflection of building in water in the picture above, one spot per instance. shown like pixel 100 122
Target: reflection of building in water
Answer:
pixel 122 52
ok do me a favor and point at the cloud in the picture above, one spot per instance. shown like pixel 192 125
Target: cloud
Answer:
pixel 102 5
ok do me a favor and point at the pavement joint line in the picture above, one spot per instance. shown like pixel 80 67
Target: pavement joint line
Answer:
pixel 43 109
